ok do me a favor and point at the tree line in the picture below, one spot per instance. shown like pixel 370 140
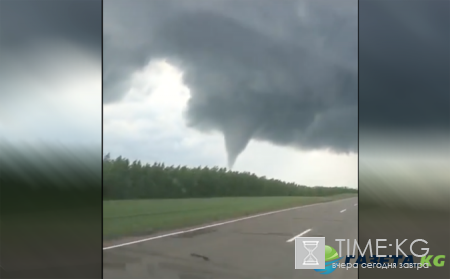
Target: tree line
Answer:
pixel 123 179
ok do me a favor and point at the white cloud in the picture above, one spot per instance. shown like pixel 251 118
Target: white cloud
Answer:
pixel 148 125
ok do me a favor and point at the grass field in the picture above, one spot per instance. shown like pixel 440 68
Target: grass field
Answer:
pixel 140 217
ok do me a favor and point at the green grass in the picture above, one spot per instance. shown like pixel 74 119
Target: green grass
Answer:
pixel 138 217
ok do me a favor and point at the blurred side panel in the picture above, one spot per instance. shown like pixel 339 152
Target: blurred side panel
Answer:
pixel 50 139
pixel 404 143
pixel 50 211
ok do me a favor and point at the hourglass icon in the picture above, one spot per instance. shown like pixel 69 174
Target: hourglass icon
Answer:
pixel 310 246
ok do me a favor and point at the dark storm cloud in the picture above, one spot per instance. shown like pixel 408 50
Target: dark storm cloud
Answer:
pixel 404 62
pixel 26 21
pixel 280 73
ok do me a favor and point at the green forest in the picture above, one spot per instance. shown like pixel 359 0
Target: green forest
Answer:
pixel 123 179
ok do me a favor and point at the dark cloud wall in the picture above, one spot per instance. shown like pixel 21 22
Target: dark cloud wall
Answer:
pixel 26 21
pixel 286 74
pixel 404 65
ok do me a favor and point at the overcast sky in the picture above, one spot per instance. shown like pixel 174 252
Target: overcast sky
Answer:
pixel 404 108
pixel 262 86
pixel 404 104
pixel 50 71
pixel 412 93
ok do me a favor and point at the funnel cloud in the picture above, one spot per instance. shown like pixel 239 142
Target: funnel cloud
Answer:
pixel 280 73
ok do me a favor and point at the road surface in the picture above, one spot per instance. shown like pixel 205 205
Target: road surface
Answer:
pixel 259 247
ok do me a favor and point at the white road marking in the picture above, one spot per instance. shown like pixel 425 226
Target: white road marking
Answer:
pixel 302 234
pixel 215 225
pixel 343 210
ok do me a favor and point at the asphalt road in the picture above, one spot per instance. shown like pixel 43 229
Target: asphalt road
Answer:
pixel 252 248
